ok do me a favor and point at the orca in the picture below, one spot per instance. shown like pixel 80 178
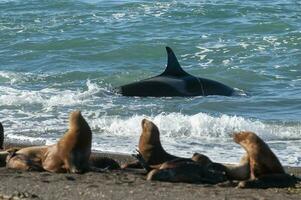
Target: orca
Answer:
pixel 174 81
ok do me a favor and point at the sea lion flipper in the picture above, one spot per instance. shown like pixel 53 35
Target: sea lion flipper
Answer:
pixel 141 160
pixel 103 163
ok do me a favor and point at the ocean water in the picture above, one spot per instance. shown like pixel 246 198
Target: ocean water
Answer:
pixel 58 56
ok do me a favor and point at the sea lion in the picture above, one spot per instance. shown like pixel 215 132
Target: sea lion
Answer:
pixel 233 172
pixel 1 136
pixel 150 147
pixel 270 181
pixel 70 154
pixel 184 170
pixel 103 163
pixel 262 160
pixel 29 159
pixel 265 168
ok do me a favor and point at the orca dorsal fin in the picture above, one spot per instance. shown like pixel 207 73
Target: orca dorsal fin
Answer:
pixel 173 67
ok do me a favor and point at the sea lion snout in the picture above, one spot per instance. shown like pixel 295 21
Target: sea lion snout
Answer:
pixel 238 137
pixel 148 126
pixel 143 122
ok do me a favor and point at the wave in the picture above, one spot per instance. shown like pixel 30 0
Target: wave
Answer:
pixel 178 125
pixel 201 125
pixel 48 97
pixel 180 134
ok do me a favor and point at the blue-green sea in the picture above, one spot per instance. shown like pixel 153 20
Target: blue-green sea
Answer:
pixel 58 56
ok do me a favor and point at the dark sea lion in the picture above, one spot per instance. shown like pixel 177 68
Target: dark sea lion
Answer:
pixel 1 136
pixel 70 154
pixel 174 81
pixel 271 181
pixel 265 168
pixel 150 147
pixel 233 172
pixel 184 170
pixel 3 154
pixel 103 163
pixel 188 171
pixel 201 159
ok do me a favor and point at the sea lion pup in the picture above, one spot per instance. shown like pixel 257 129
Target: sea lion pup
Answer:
pixel 70 154
pixel 265 168
pixel 150 147
pixel 188 171
pixel 106 163
pixel 184 170
pixel 233 172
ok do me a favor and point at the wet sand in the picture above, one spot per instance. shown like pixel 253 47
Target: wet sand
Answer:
pixel 124 184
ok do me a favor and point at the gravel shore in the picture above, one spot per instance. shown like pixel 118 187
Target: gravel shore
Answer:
pixel 124 184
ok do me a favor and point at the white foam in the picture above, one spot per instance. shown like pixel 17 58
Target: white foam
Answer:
pixel 180 134
pixel 200 125
pixel 49 97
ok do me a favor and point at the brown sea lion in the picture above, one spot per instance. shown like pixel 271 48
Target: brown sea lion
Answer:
pixel 265 168
pixel 150 147
pixel 262 160
pixel 26 159
pixel 70 154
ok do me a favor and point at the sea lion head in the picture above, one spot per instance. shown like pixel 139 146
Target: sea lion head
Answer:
pixel 150 132
pixel 246 138
pixel 201 159
pixel 76 121
pixel 74 118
